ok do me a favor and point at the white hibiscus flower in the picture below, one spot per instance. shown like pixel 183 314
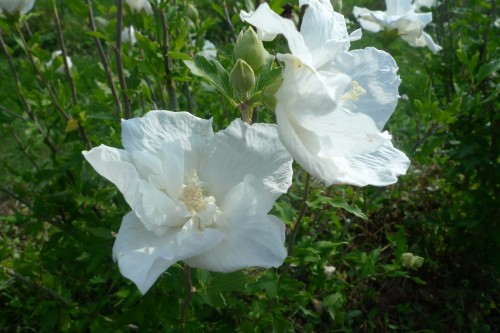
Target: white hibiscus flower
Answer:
pixel 16 6
pixel 334 103
pixel 138 5
pixel 401 16
pixel 195 196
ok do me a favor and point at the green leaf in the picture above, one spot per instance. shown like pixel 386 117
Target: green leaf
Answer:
pixel 341 203
pixel 133 80
pixel 214 73
pixel 487 69
pixel 99 35
pixel 179 55
pixel 268 74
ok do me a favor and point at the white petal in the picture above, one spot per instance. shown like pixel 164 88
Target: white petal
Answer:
pixel 247 198
pixel 241 150
pixel 424 18
pixel 430 43
pixel 380 168
pixel 143 256
pixel 309 100
pixel 116 165
pixel 366 19
pixel 271 24
pixel 398 7
pixel 172 157
pixel 156 128
pixel 156 210
pixel 252 241
pixel 376 72
pixel 322 24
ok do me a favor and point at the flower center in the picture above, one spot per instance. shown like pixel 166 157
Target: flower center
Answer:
pixel 355 93
pixel 204 211
pixel 192 196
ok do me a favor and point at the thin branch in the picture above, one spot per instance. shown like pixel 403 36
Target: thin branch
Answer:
pixel 189 295
pixel 228 20
pixel 119 62
pixel 11 113
pixel 55 102
pixel 167 62
pixel 41 77
pixel 46 290
pixel 23 149
pixel 104 62
pixel 24 101
pixel 298 221
pixel 14 196
pixel 67 70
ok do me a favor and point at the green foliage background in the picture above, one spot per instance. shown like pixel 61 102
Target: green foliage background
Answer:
pixel 57 215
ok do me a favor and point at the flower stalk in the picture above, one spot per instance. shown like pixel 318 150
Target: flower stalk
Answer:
pixel 189 295
pixel 119 63
pixel 167 62
pixel 104 61
pixel 67 70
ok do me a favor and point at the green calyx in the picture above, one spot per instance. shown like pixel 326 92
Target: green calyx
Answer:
pixel 268 93
pixel 242 77
pixel 250 49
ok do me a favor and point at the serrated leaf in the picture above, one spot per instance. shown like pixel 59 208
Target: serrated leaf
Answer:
pixel 133 80
pixel 268 74
pixel 213 72
pixel 99 35
pixel 487 69
pixel 340 203
pixel 179 55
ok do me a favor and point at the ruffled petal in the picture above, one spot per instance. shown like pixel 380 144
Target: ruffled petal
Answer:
pixel 380 168
pixel 247 198
pixel 366 19
pixel 243 149
pixel 398 7
pixel 157 128
pixel 376 72
pixel 303 145
pixel 143 256
pixel 117 166
pixel 251 241
pixel 322 24
pixel 435 48
pixel 310 100
pixel 156 210
pixel 269 25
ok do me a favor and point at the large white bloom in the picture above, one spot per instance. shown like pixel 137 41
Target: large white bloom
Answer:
pixel 17 6
pixel 418 4
pixel 195 196
pixel 209 51
pixel 128 35
pixel 401 16
pixel 334 103
pixel 138 5
pixel 55 55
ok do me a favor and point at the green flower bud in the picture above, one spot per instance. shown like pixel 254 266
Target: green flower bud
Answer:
pixel 407 260
pixel 419 261
pixel 250 49
pixel 192 12
pixel 242 77
pixel 268 93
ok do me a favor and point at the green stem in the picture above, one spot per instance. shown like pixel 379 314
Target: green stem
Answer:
pixel 298 221
pixel 119 62
pixel 187 299
pixel 67 70
pixel 104 61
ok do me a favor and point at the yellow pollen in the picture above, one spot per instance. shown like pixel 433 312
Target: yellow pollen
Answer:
pixel 355 93
pixel 192 196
